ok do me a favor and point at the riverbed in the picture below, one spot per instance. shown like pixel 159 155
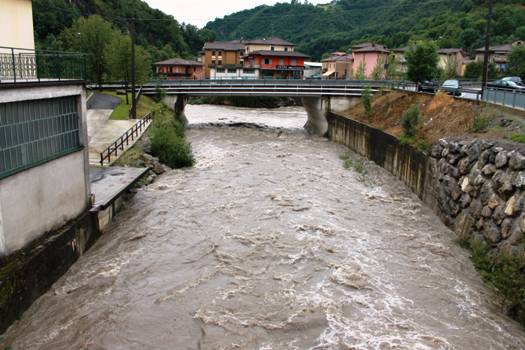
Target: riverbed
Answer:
pixel 269 242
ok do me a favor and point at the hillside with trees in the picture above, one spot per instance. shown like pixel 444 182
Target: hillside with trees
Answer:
pixel 100 28
pixel 317 29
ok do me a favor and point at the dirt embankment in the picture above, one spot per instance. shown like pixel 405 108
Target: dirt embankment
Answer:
pixel 441 116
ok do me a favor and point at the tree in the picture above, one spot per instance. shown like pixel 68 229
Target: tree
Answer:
pixel 118 60
pixel 360 72
pixel 422 61
pixel 517 61
pixel 474 70
pixel 450 70
pixel 90 35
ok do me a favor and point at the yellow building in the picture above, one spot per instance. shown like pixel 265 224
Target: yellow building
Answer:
pixel 270 44
pixel 16 24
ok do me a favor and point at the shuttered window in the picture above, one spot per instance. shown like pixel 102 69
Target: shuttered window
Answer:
pixel 36 131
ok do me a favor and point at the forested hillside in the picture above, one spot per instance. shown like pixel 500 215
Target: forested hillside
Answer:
pixel 160 34
pixel 341 23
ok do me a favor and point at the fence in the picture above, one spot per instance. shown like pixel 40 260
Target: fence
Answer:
pixel 134 132
pixel 508 98
pixel 25 65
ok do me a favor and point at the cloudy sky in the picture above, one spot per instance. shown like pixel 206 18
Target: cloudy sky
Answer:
pixel 199 12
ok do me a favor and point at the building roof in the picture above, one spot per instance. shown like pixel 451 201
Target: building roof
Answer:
pixel 346 58
pixel 362 45
pixel 177 62
pixel 278 53
pixel 268 41
pixel 372 48
pixel 234 45
pixel 502 48
pixel 450 51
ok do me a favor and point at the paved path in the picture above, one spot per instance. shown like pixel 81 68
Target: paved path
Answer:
pixel 103 101
pixel 102 131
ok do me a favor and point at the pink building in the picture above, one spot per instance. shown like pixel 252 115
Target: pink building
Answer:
pixel 367 56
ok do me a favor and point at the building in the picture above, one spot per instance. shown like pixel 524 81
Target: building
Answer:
pixel 338 66
pixel 222 57
pixel 313 70
pixel 451 59
pixel 367 57
pixel 276 64
pixel 399 57
pixel 498 54
pixel 270 44
pixel 16 24
pixel 178 68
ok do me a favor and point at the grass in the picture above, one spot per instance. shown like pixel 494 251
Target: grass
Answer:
pixel 502 272
pixel 121 112
pixel 358 165
pixel 480 124
pixel 132 157
pixel 518 138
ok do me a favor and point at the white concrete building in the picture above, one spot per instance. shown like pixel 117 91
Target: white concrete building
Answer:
pixel 234 73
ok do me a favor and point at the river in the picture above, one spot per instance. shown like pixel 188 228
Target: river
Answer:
pixel 270 243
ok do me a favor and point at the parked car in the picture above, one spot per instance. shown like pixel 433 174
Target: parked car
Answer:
pixel 506 84
pixel 428 86
pixel 452 87
pixel 516 80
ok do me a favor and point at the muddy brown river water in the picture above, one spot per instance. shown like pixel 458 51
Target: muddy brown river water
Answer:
pixel 270 243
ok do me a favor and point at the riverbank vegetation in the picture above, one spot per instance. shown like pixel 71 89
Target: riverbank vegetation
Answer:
pixel 145 105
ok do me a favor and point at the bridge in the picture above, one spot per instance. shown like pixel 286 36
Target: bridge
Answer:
pixel 318 96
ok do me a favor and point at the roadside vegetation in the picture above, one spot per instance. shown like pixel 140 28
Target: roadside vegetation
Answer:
pixel 121 112
pixel 504 272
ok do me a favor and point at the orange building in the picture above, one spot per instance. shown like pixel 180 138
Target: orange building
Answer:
pixel 277 64
pixel 178 68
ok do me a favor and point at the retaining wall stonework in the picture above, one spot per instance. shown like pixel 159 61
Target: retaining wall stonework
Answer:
pixel 476 187
pixel 481 191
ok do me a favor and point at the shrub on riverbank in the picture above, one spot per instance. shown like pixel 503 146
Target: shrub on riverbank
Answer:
pixel 168 142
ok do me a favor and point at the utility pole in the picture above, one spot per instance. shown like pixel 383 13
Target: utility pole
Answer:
pixel 133 112
pixel 487 49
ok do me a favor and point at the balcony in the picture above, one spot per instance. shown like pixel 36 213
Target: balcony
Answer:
pixel 26 66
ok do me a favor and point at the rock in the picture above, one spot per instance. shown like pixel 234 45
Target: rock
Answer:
pixel 453 171
pixel 465 200
pixel 491 232
pixel 456 194
pixel 489 170
pixel 521 222
pixel 454 147
pixel 484 158
pixel 453 159
pixel 516 160
pixel 464 166
pixel 494 201
pixel 518 179
pixel 465 185
pixel 511 207
pixel 464 224
pixel 436 151
pixel 516 235
pixel 486 212
pixel 480 223
pixel 485 145
pixel 486 192
pixel 499 213
pixel 501 159
pixel 475 208
pixel 479 180
pixel 473 152
pixel 506 227
pixel 505 189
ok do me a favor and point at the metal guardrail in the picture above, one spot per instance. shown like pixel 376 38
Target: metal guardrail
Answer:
pixel 504 97
pixel 134 132
pixel 26 65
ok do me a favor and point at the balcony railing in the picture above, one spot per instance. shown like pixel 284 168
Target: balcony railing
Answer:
pixel 25 65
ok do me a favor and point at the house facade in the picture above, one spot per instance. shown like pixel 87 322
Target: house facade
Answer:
pixel 270 44
pixel 367 57
pixel 452 58
pixel 276 64
pixel 498 54
pixel 178 68
pixel 222 55
pixel 338 66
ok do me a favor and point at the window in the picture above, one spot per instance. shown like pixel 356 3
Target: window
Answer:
pixel 248 71
pixel 220 63
pixel 273 48
pixel 286 49
pixel 220 53
pixel 220 70
pixel 33 132
pixel 267 61
pixel 212 61
pixel 213 53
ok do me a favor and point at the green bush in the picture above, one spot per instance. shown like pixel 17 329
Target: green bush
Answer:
pixel 168 142
pixel 367 100
pixel 410 121
pixel 480 124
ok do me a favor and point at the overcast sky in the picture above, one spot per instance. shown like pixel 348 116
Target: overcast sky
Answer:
pixel 199 12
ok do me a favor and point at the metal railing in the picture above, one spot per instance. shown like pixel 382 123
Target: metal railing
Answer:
pixel 504 97
pixel 27 65
pixel 133 133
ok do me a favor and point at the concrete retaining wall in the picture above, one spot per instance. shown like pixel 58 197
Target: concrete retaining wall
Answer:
pixel 476 187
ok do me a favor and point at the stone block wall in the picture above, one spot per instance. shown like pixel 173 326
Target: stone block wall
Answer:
pixel 481 191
